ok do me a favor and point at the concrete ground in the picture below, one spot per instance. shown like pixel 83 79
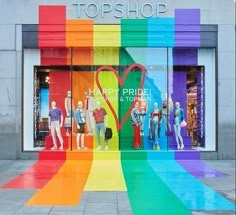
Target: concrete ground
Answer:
pixel 12 200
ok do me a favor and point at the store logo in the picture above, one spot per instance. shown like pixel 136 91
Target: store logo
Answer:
pixel 120 10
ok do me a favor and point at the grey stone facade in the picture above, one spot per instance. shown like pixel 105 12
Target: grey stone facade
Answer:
pixel 14 13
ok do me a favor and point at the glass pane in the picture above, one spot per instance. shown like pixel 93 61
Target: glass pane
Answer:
pixel 47 86
pixel 83 97
pixel 149 98
pixel 106 94
pixel 194 91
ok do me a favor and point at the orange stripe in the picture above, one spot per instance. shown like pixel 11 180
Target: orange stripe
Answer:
pixel 66 187
pixel 79 33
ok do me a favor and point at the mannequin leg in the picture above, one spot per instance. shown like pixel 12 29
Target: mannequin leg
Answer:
pixel 82 142
pixel 176 135
pixel 155 135
pixel 142 125
pixel 103 134
pixel 156 141
pixel 167 125
pixel 77 141
pixel 98 136
pixel 72 127
pixel 58 130
pixel 137 139
pixel 53 136
pixel 165 122
pixel 91 119
pixel 180 138
pixel 88 121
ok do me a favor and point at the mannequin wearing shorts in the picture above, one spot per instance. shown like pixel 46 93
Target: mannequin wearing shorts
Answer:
pixel 81 123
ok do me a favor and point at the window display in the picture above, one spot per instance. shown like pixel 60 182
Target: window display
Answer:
pixel 80 119
pixel 155 126
pixel 135 88
pixel 177 122
pixel 136 123
pixel 55 121
pixel 101 121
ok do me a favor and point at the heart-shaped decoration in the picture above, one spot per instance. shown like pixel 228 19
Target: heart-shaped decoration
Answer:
pixel 121 83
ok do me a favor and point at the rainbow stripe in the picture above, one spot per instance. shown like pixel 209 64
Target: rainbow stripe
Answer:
pixel 56 31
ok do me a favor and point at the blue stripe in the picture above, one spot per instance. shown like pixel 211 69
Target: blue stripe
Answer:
pixel 193 194
pixel 161 32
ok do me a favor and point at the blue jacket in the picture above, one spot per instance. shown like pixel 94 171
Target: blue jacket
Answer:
pixel 79 116
pixel 180 115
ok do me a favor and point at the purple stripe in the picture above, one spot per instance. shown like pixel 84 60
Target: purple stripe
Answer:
pixel 187 28
pixel 187 155
pixel 182 57
pixel 199 169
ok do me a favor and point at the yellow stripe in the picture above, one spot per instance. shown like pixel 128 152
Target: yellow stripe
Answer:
pixel 66 187
pixel 106 175
pixel 108 81
pixel 106 36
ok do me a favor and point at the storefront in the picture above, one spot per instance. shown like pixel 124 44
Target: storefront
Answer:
pixel 144 58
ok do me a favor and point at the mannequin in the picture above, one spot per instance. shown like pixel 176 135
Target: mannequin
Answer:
pixel 101 120
pixel 81 122
pixel 55 115
pixel 178 118
pixel 136 122
pixel 166 110
pixel 154 125
pixel 69 107
pixel 142 108
pixel 89 107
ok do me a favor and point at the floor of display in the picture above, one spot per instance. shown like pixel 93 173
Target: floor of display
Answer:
pixel 114 182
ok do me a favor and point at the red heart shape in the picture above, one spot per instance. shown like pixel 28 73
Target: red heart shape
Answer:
pixel 121 82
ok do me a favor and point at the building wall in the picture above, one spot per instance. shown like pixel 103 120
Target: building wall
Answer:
pixel 14 13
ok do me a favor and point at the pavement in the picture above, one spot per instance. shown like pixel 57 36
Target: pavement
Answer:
pixel 12 201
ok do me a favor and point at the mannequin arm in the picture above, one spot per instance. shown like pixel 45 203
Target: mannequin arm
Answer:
pixel 160 121
pixel 61 120
pixel 49 122
pixel 66 106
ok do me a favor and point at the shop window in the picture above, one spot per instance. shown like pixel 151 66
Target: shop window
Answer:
pixel 171 75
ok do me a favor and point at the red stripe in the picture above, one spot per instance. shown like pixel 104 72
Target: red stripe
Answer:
pixel 52 26
pixel 36 176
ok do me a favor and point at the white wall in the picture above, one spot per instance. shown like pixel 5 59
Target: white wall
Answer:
pixel 206 57
pixel 31 58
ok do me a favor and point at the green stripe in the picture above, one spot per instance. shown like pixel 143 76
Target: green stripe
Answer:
pixel 134 33
pixel 133 79
pixel 147 193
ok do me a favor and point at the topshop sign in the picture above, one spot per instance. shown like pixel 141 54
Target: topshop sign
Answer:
pixel 120 10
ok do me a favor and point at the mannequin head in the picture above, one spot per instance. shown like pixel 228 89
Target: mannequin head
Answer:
pixel 155 105
pixel 177 105
pixel 53 104
pixel 80 104
pixel 98 105
pixel 68 93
